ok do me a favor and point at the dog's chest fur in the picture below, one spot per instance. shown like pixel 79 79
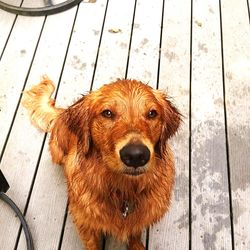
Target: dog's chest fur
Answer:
pixel 118 219
pixel 117 205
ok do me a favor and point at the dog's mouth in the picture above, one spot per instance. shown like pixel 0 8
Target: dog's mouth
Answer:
pixel 134 171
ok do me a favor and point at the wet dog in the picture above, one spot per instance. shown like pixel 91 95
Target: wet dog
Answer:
pixel 113 144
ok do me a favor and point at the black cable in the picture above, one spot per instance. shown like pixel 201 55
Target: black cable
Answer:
pixel 40 11
pixel 26 230
pixel 4 186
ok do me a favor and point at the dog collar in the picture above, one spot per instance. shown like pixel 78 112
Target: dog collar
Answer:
pixel 127 208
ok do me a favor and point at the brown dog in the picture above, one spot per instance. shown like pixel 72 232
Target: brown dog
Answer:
pixel 113 146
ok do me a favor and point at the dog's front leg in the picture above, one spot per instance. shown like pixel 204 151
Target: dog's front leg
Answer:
pixel 91 239
pixel 135 243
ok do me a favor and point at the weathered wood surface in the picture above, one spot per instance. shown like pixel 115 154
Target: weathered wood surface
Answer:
pixel 211 228
pixel 236 37
pixel 91 45
pixel 114 47
pixel 6 23
pixel 144 52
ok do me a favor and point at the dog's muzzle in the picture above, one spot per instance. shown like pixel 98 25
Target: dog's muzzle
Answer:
pixel 135 155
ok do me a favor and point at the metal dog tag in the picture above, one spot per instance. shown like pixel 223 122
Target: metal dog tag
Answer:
pixel 127 208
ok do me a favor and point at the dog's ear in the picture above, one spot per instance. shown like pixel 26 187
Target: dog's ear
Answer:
pixel 171 119
pixel 71 128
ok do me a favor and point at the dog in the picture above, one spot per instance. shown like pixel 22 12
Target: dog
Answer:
pixel 113 145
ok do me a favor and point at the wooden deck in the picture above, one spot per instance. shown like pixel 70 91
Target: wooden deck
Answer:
pixel 198 50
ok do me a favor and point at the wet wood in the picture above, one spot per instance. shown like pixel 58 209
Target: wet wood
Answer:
pixel 211 227
pixel 236 37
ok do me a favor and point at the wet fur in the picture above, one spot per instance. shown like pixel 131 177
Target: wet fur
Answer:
pixel 87 145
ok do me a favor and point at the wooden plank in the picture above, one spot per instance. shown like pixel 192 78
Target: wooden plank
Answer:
pixel 6 22
pixel 210 200
pixel 236 37
pixel 47 205
pixel 114 47
pixel 77 77
pixel 144 52
pixel 172 232
pixel 20 158
pixel 71 238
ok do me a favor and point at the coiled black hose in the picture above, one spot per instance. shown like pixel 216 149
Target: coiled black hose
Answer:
pixel 4 186
pixel 25 226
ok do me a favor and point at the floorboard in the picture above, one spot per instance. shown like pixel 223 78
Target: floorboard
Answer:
pixel 145 42
pixel 211 226
pixel 114 47
pixel 236 37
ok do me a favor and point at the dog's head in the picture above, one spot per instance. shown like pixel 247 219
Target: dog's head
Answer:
pixel 126 122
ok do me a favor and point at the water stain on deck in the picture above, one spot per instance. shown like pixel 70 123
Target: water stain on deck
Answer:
pixel 183 221
pixel 96 32
pixel 144 42
pixel 209 164
pixel 171 56
pixel 202 47
pixel 211 10
pixel 229 75
pixel 209 239
pixel 123 45
pixel 136 25
pixel 239 164
pixel 77 63
pixel 181 187
pixel 23 51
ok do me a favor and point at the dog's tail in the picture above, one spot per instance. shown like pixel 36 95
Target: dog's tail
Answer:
pixel 40 105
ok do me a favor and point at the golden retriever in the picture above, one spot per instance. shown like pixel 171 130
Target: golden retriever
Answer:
pixel 113 144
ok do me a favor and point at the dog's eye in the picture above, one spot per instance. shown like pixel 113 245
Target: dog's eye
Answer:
pixel 152 113
pixel 107 113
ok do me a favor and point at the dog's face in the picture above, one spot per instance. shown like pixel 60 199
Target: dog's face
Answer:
pixel 127 123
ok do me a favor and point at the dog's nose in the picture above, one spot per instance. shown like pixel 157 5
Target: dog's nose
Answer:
pixel 135 155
